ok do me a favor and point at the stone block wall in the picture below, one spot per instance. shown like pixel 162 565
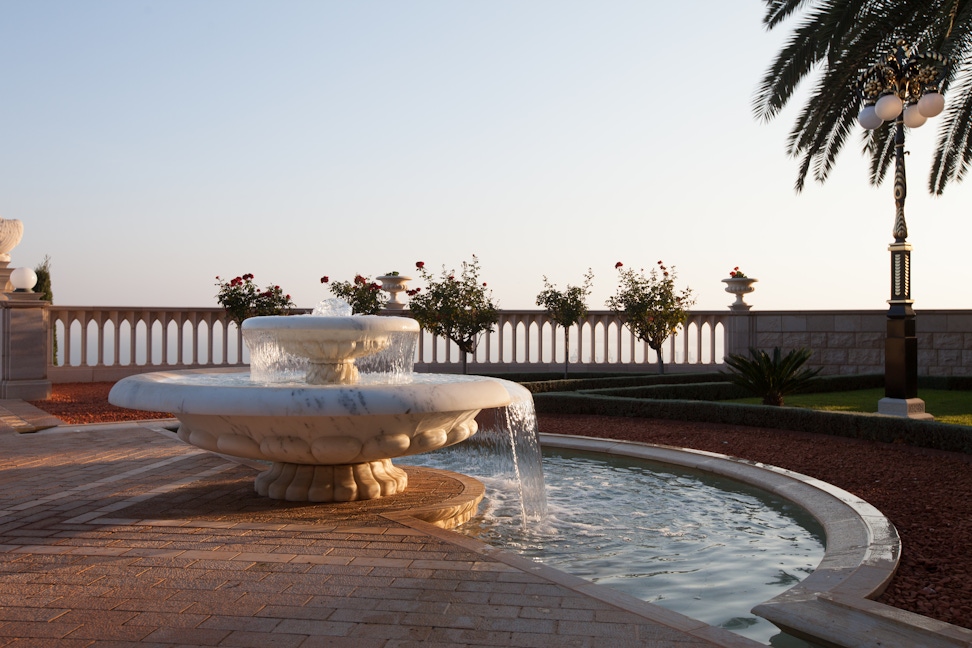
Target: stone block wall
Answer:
pixel 848 342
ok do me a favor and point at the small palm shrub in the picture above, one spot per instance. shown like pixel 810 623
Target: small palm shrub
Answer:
pixel 771 377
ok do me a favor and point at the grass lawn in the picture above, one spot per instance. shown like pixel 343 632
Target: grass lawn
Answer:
pixel 947 406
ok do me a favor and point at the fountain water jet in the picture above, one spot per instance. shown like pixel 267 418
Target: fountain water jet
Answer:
pixel 331 436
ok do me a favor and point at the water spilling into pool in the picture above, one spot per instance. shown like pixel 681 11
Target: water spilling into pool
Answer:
pixel 704 546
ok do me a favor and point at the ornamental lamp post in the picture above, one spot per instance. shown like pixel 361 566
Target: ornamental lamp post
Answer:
pixel 904 89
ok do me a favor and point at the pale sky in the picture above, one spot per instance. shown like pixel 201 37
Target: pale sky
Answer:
pixel 150 145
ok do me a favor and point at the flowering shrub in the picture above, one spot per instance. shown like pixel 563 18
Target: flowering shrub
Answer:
pixel 737 274
pixel 459 309
pixel 242 299
pixel 650 306
pixel 363 295
pixel 566 307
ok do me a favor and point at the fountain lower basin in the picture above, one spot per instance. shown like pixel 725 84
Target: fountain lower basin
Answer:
pixel 328 443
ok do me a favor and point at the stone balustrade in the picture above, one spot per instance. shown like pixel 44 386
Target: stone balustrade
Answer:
pixel 106 344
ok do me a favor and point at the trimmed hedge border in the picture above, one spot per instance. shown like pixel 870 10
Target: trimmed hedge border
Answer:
pixel 872 427
pixel 694 397
pixel 723 390
pixel 595 381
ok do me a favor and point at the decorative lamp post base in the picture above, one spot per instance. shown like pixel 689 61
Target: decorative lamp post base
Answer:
pixel 904 407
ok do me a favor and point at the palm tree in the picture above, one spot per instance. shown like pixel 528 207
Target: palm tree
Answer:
pixel 836 42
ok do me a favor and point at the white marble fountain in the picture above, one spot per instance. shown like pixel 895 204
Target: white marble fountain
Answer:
pixel 331 434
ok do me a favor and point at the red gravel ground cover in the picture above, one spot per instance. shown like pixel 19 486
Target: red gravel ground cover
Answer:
pixel 926 494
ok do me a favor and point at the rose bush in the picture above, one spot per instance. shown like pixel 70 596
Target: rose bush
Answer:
pixel 650 306
pixel 363 295
pixel 241 298
pixel 460 309
pixel 566 307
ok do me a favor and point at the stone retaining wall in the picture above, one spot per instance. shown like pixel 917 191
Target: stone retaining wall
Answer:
pixel 846 342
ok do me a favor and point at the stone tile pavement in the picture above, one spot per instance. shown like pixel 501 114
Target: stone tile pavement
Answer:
pixel 122 535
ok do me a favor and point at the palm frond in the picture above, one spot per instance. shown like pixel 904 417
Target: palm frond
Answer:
pixel 835 41
pixel 879 145
pixel 779 10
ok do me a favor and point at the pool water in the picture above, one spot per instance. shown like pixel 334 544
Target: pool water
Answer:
pixel 707 547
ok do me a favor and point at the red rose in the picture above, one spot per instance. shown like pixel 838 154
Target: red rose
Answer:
pixel 324 279
pixel 420 264
pixel 618 264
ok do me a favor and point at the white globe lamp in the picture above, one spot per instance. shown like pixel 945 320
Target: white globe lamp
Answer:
pixel 913 117
pixel 888 107
pixel 931 104
pixel 23 279
pixel 868 119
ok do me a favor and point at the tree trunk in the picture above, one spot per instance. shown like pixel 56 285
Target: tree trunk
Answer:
pixel 566 351
pixel 661 360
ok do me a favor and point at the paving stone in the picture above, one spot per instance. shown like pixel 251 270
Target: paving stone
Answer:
pixel 135 537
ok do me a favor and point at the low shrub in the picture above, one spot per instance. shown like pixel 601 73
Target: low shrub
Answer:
pixel 601 381
pixel 703 391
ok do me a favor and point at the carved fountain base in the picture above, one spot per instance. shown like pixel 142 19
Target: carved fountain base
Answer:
pixel 341 483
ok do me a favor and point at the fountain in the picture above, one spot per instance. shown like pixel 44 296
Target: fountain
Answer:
pixel 330 400
pixel 332 432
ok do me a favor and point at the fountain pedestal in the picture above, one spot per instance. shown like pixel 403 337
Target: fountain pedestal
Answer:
pixel 343 483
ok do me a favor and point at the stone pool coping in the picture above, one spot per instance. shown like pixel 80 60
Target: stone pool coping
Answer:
pixel 832 605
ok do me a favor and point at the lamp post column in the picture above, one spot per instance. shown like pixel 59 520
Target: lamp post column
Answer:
pixel 901 343
pixel 902 89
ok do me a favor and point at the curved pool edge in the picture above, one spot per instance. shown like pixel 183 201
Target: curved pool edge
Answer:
pixel 832 605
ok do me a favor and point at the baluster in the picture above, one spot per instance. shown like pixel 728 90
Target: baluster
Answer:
pixel 116 343
pixel 164 331
pixel 133 331
pixel 84 338
pixel 239 346
pixel 179 319
pixel 67 338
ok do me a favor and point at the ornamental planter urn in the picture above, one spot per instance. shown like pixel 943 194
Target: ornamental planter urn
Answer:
pixel 11 231
pixel 394 285
pixel 739 286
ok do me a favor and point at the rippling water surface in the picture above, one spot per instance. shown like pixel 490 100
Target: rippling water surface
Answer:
pixel 703 546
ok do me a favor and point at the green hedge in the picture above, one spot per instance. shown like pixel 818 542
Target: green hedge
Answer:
pixel 599 381
pixel 873 427
pixel 701 386
pixel 955 383
pixel 706 391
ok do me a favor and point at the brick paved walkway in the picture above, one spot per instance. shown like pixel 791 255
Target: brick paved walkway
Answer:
pixel 119 535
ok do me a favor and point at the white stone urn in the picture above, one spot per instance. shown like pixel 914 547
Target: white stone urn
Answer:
pixel 11 231
pixel 740 286
pixel 395 285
